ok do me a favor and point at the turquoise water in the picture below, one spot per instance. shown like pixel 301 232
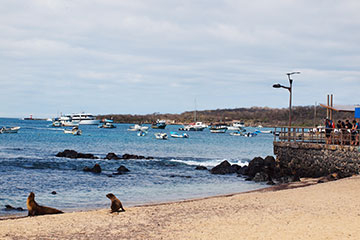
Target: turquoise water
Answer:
pixel 28 163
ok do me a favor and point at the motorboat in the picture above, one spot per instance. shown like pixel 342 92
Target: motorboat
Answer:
pixel 177 135
pixel 236 126
pixel 196 126
pixel 218 128
pixel 250 134
pixel 56 123
pixel 9 129
pixel 74 131
pixel 237 133
pixel 159 124
pixel 67 121
pixel 142 133
pixel 107 125
pixel 138 127
pixel 85 119
pixel 161 136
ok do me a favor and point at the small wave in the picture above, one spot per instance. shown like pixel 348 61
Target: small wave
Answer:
pixel 210 163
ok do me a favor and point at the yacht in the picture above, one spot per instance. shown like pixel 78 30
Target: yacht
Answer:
pixel 85 119
pixel 236 126
pixel 197 126
pixel 77 119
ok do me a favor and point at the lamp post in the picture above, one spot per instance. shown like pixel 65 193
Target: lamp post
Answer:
pixel 290 91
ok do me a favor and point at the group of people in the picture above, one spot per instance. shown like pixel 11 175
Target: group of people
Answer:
pixel 346 133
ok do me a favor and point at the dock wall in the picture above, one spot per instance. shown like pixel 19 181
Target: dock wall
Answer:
pixel 316 160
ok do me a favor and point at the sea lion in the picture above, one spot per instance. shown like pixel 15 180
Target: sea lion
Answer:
pixel 115 203
pixel 35 209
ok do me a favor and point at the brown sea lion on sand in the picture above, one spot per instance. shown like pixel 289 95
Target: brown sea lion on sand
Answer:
pixel 35 209
pixel 115 203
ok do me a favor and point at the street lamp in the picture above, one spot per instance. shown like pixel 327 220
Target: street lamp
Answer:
pixel 290 91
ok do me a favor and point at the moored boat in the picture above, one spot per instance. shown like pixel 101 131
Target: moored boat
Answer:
pixel 138 127
pixel 9 129
pixel 196 126
pixel 177 135
pixel 74 131
pixel 107 125
pixel 218 128
pixel 161 136
pixel 159 124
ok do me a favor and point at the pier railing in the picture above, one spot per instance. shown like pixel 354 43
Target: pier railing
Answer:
pixel 316 135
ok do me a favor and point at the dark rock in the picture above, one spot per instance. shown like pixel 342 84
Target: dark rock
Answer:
pixel 95 169
pixel 111 156
pixel 270 182
pixel 127 156
pixel 237 168
pixel 223 168
pixel 73 154
pixel 181 176
pixel 261 177
pixel 122 169
pixel 11 208
pixel 200 168
pixel 53 192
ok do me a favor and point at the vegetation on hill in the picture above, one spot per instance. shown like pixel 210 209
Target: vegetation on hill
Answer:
pixel 302 116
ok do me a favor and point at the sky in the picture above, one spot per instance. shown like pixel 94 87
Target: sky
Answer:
pixel 147 56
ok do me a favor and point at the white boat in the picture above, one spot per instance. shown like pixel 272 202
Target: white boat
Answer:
pixel 85 119
pixel 9 129
pixel 177 135
pixel 74 131
pixel 67 121
pixel 218 128
pixel 161 136
pixel 138 127
pixel 56 123
pixel 238 133
pixel 236 126
pixel 196 126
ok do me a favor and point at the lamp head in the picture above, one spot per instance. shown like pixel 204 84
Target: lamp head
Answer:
pixel 277 86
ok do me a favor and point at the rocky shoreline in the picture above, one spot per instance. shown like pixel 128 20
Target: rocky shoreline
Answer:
pixel 259 169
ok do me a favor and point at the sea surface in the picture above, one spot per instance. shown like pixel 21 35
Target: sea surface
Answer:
pixel 28 164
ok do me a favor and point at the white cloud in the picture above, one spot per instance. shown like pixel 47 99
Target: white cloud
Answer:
pixel 138 53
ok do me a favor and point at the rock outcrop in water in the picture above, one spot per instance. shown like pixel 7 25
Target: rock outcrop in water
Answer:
pixel 112 156
pixel 258 170
pixel 73 154
pixel 127 156
pixel 11 208
pixel 200 168
pixel 95 169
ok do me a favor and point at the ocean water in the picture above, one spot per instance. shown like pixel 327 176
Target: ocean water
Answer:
pixel 28 163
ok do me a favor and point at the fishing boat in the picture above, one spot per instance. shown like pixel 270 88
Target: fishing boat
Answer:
pixel 9 129
pixel 196 126
pixel 177 135
pixel 161 136
pixel 138 127
pixel 74 131
pixel 236 126
pixel 159 124
pixel 107 125
pixel 218 128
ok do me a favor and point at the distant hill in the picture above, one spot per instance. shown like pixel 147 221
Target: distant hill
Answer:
pixel 302 116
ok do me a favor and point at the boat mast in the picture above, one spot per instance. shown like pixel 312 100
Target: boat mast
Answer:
pixel 195 111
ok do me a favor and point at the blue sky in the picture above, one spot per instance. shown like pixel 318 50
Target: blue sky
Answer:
pixel 146 56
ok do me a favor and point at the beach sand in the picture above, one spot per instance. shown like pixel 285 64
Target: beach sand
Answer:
pixel 320 211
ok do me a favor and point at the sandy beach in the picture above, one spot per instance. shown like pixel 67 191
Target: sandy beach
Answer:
pixel 317 211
